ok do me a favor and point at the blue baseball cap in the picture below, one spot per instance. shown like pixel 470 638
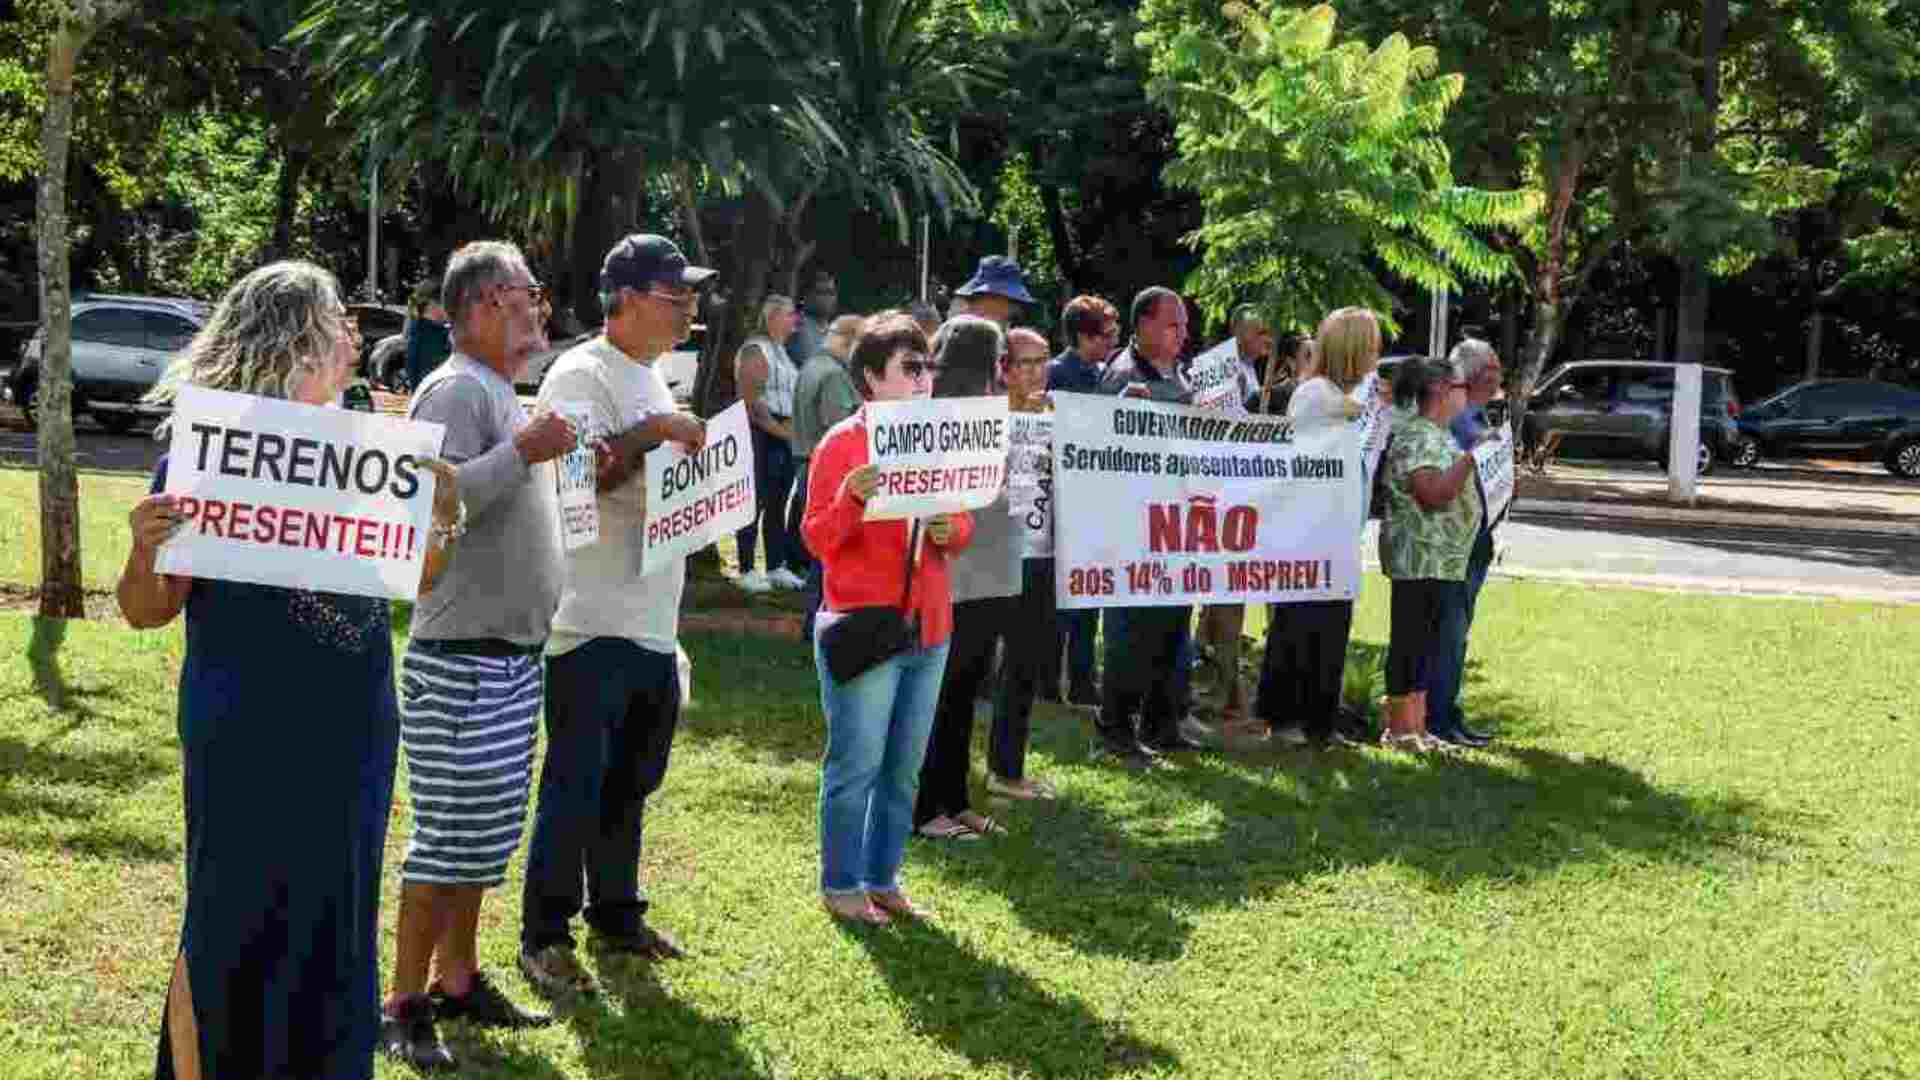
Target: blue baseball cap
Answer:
pixel 997 275
pixel 643 258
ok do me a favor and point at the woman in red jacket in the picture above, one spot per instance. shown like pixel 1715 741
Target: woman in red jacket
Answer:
pixel 877 722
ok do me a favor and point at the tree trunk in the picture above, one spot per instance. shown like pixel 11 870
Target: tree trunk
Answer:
pixel 1816 327
pixel 1066 257
pixel 746 285
pixel 60 588
pixel 293 170
pixel 1690 344
pixel 612 186
pixel 1509 324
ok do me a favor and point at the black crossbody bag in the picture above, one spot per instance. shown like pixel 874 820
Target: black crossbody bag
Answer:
pixel 866 637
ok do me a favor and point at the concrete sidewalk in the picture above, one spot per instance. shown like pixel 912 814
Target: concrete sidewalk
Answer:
pixel 1834 497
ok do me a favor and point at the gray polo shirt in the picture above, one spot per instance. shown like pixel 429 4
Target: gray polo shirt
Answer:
pixel 824 396
pixel 505 575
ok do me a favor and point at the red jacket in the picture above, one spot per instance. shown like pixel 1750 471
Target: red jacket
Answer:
pixel 865 561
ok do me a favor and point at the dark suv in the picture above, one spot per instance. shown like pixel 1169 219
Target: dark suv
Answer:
pixel 1624 408
pixel 1851 418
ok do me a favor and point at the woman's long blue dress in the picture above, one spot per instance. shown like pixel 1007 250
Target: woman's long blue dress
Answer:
pixel 288 730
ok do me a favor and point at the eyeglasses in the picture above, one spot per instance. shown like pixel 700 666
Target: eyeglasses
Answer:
pixel 683 299
pixel 1026 361
pixel 536 292
pixel 914 369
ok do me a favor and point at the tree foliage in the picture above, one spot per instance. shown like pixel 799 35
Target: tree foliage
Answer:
pixel 1318 163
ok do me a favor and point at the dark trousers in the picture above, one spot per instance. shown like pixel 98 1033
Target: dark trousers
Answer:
pixel 1449 671
pixel 1421 608
pixel 977 627
pixel 796 512
pixel 1076 630
pixel 1030 636
pixel 1144 650
pixel 773 478
pixel 612 707
pixel 1305 665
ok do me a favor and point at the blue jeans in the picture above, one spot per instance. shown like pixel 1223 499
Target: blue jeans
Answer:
pixel 612 708
pixel 877 727
pixel 1448 675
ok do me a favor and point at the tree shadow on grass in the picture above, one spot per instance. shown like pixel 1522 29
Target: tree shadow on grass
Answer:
pixel 757 691
pixel 1509 814
pixel 995 1015
pixel 75 787
pixel 50 681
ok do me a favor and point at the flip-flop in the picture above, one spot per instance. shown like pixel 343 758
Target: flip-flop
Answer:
pixel 987 827
pixel 896 903
pixel 952 830
pixel 868 914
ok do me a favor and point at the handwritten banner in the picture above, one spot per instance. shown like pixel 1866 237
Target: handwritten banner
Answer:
pixel 279 493
pixel 1494 458
pixel 1030 482
pixel 1164 504
pixel 695 499
pixel 1216 378
pixel 936 455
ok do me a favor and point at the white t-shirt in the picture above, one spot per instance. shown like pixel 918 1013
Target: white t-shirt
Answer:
pixel 606 595
pixel 1316 401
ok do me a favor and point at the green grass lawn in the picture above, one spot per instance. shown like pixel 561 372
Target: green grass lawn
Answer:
pixel 1692 855
pixel 105 498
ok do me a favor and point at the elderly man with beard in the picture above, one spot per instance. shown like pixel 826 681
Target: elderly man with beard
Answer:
pixel 470 683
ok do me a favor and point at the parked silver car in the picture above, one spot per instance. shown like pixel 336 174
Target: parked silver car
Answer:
pixel 1624 408
pixel 121 344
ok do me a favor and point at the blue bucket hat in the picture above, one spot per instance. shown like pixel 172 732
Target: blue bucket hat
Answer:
pixel 997 275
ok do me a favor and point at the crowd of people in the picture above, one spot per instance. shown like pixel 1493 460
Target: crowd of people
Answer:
pixel 293 710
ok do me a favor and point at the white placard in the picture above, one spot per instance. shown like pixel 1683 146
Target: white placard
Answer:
pixel 578 479
pixel 695 499
pixel 1030 482
pixel 1215 377
pixel 1494 458
pixel 300 496
pixel 1375 423
pixel 936 455
pixel 1172 504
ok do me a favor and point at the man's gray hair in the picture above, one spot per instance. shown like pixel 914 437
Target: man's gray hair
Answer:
pixel 1244 315
pixel 1471 357
pixel 774 304
pixel 471 269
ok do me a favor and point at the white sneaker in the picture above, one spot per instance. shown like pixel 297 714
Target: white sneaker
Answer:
pixel 1291 735
pixel 787 579
pixel 755 582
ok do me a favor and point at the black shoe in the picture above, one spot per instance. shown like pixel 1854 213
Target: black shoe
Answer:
pixel 1480 737
pixel 1135 757
pixel 1173 744
pixel 645 943
pixel 409 1037
pixel 1455 737
pixel 483 1004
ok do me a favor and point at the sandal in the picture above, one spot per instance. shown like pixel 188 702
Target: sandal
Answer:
pixel 946 828
pixel 1412 742
pixel 857 910
pixel 981 825
pixel 1020 789
pixel 897 903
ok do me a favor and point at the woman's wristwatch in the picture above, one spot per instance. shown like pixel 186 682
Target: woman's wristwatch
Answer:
pixel 444 533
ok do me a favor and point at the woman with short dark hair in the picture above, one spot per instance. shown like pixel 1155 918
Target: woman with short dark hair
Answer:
pixel 877 721
pixel 1432 518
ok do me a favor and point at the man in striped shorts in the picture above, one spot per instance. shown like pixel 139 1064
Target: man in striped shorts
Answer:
pixel 470 683
pixel 613 685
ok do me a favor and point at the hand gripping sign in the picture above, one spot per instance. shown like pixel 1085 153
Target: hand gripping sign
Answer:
pixel 936 455
pixel 1164 504
pixel 302 496
pixel 695 499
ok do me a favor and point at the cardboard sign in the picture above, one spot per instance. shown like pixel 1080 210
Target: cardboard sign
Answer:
pixel 936 455
pixel 1494 458
pixel 300 496
pixel 695 499
pixel 1030 482
pixel 1164 504
pixel 578 480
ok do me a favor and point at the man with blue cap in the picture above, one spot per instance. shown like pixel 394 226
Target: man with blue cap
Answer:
pixel 994 289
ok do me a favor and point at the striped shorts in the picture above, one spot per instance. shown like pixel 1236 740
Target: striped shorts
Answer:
pixel 467 725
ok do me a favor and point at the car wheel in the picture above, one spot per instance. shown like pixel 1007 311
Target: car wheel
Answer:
pixel 395 377
pixel 1746 454
pixel 1708 459
pixel 116 423
pixel 1903 459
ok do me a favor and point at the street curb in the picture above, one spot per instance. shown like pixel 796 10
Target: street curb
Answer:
pixel 1668 515
pixel 1788 590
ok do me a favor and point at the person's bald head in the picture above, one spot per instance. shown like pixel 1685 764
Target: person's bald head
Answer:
pixel 1251 333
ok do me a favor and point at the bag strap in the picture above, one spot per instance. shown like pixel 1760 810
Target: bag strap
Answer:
pixel 913 552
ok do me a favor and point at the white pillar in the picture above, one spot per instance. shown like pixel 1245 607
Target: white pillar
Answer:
pixel 1437 325
pixel 373 226
pixel 926 244
pixel 1683 441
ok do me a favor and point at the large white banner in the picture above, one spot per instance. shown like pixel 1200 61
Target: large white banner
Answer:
pixel 1172 504
pixel 1030 482
pixel 695 499
pixel 936 455
pixel 302 496
pixel 1494 458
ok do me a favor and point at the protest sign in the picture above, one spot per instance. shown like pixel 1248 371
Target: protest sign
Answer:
pixel 936 455
pixel 279 493
pixel 1494 458
pixel 695 499
pixel 1375 424
pixel 1216 378
pixel 1172 504
pixel 1030 482
pixel 578 479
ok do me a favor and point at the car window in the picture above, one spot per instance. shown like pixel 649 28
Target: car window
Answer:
pixel 1870 398
pixel 1821 401
pixel 1642 387
pixel 110 326
pixel 166 333
pixel 1591 385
